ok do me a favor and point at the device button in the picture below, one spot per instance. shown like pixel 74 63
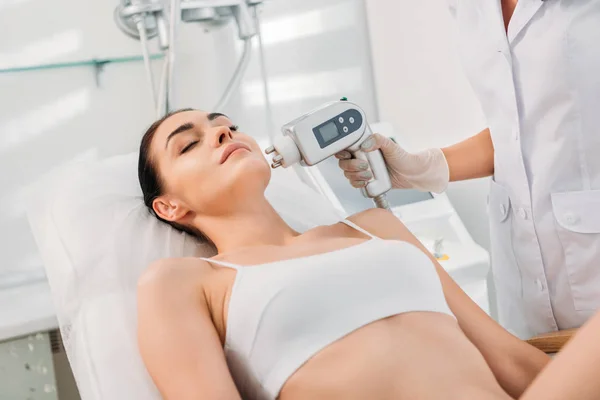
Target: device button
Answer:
pixel 341 119
pixel 351 119
pixel 345 129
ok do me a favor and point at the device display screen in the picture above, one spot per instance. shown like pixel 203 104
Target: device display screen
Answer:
pixel 329 132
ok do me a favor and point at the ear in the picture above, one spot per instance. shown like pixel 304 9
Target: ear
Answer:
pixel 169 209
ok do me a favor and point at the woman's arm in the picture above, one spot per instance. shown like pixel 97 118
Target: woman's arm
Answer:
pixel 573 374
pixel 177 338
pixel 514 362
pixel 471 158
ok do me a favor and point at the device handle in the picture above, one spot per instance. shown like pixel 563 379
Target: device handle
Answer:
pixel 381 182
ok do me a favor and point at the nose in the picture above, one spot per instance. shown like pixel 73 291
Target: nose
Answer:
pixel 222 135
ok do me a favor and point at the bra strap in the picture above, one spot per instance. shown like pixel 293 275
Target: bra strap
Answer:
pixel 358 228
pixel 221 263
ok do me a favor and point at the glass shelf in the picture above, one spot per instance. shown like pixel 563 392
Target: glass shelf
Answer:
pixel 96 63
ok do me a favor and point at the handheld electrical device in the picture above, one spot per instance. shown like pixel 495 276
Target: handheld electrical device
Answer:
pixel 325 131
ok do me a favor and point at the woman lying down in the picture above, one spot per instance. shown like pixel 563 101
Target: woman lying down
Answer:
pixel 354 310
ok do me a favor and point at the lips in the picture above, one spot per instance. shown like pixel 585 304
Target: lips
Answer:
pixel 230 149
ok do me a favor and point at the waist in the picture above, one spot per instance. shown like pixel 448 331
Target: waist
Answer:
pixel 399 357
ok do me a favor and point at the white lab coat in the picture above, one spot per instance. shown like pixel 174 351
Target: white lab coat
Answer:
pixel 539 88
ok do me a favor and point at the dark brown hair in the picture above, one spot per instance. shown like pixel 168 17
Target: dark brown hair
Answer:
pixel 150 181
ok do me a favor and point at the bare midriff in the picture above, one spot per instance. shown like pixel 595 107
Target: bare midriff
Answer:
pixel 418 355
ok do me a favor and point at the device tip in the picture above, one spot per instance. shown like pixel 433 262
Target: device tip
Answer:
pixel 270 150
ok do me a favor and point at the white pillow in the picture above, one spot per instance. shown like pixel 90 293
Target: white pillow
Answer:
pixel 96 237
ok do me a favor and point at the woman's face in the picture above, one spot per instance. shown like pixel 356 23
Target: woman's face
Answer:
pixel 206 166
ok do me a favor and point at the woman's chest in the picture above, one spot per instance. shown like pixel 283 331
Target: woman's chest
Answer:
pixel 285 297
pixel 264 271
pixel 508 8
pixel 315 246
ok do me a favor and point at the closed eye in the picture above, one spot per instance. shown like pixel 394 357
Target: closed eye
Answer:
pixel 188 147
pixel 234 128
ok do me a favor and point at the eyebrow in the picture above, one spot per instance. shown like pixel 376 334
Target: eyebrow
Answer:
pixel 215 115
pixel 188 125
pixel 185 127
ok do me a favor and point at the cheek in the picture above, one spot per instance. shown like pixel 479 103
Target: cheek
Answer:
pixel 189 175
pixel 250 142
pixel 193 168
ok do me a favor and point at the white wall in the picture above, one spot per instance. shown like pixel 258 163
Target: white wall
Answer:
pixel 421 89
pixel 316 51
pixel 52 116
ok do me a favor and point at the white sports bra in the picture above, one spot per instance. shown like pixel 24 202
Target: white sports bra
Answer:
pixel 284 312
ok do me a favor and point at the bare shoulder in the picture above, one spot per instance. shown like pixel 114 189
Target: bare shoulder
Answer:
pixel 385 225
pixel 172 280
pixel 168 271
pixel 382 223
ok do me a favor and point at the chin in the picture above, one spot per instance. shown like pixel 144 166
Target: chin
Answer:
pixel 242 180
pixel 251 174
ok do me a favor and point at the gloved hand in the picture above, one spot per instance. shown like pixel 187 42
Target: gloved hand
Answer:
pixel 426 170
